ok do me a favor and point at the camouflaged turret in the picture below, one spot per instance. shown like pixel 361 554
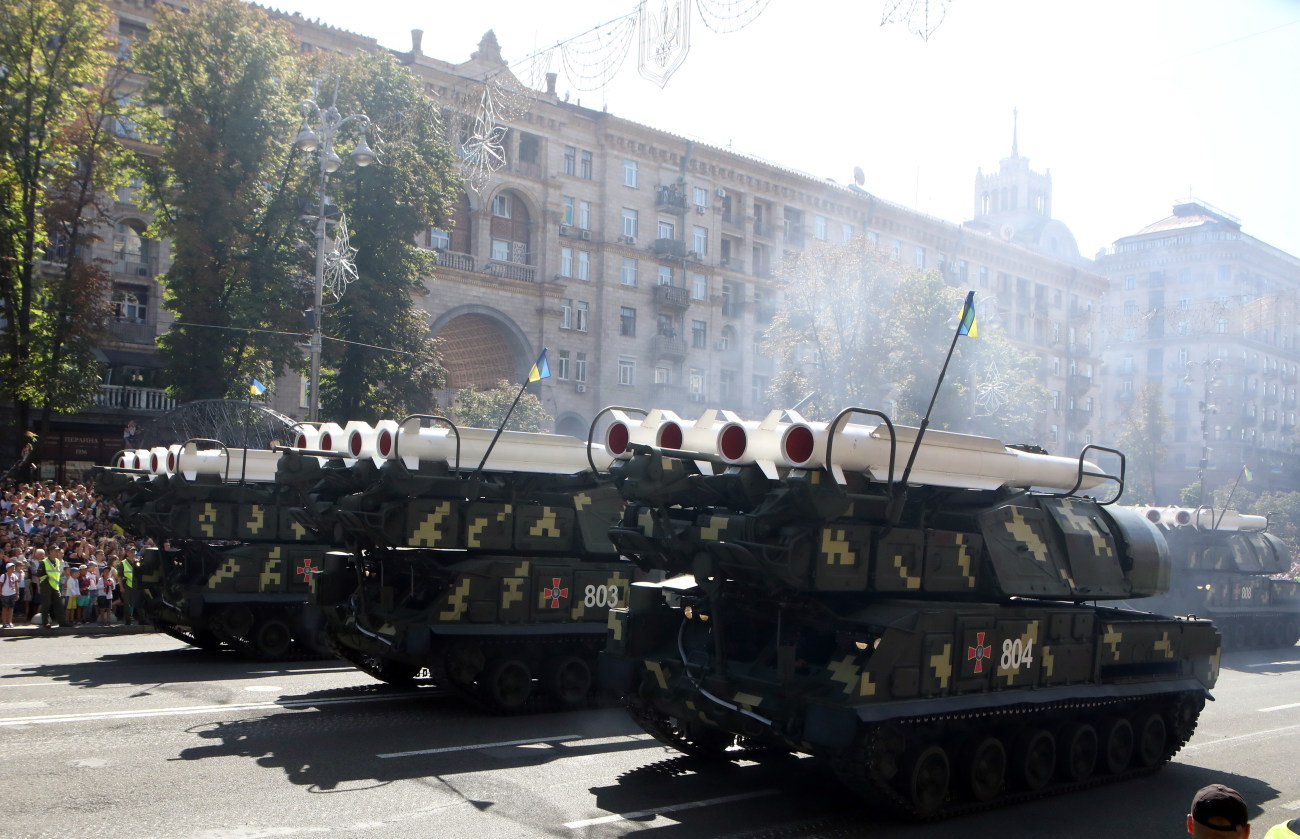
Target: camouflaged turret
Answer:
pixel 1225 567
pixel 497 581
pixel 233 566
pixel 941 641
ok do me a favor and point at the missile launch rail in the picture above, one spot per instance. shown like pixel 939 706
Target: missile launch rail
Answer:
pixel 939 641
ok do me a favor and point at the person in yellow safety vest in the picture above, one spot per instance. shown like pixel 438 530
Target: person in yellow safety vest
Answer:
pixel 126 576
pixel 1285 830
pixel 51 567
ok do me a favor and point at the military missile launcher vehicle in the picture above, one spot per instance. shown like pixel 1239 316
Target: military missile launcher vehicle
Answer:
pixel 497 579
pixel 935 629
pixel 232 566
pixel 1225 567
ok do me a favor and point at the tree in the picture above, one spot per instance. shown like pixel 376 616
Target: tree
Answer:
pixel 387 204
pixel 486 408
pixel 54 61
pixel 858 328
pixel 1141 438
pixel 225 189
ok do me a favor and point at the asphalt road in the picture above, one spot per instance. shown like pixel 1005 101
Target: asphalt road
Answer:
pixel 135 736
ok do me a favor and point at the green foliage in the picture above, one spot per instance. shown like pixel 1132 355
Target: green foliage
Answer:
pixel 859 328
pixel 387 204
pixel 221 100
pixel 486 408
pixel 1141 438
pixel 54 67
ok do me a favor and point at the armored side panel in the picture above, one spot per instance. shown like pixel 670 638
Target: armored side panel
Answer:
pixel 941 645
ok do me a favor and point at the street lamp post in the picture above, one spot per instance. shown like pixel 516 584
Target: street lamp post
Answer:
pixel 1209 369
pixel 320 139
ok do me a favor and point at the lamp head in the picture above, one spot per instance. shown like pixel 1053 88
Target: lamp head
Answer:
pixel 362 155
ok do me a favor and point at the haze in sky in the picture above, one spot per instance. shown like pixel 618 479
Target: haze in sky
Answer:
pixel 1131 104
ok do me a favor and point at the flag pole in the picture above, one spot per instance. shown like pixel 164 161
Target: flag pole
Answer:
pixel 1231 492
pixel 963 328
pixel 543 371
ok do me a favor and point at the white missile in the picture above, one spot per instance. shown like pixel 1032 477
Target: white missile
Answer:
pixel 363 438
pixel 1204 518
pixel 515 451
pixel 945 458
pixel 659 428
pixel 760 443
pixel 162 460
pixel 232 465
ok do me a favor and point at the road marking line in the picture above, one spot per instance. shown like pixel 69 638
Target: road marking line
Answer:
pixel 1280 707
pixel 292 704
pixel 671 808
pixel 31 684
pixel 475 746
pixel 1196 746
pixel 1273 664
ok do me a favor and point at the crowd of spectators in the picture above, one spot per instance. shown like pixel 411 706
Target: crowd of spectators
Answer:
pixel 46 528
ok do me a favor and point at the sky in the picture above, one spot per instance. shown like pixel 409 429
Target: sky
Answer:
pixel 1132 105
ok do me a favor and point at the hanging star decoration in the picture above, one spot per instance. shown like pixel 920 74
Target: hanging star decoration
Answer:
pixel 340 267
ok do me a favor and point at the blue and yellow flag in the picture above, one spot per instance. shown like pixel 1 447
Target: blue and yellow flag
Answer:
pixel 966 321
pixel 541 370
pixel 1249 476
pixel 256 388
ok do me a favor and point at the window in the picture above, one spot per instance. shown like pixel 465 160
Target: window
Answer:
pixel 873 238
pixel 700 240
pixel 629 222
pixel 627 275
pixel 663 375
pixel 984 276
pixel 130 305
pixel 501 250
pixel 699 334
pixel 727 384
pixel 897 247
pixel 584 215
pixel 580 367
pixel 819 228
pixel 701 196
pixel 566 262
pixel 584 265
pixel 562 365
pixel 665 327
pixel 566 313
pixel 1221 326
pixel 727 338
pixel 920 257
pixel 1130 283
pixel 846 232
pixel 568 209
pixel 439 239
pixel 629 173
pixel 570 160
pixel 667 230
pixel 582 316
pixel 627 321
pixel 699 287
pixel 626 372
pixel 697 381
pixel 665 275
pixel 757 389
pixel 584 165
pixel 501 206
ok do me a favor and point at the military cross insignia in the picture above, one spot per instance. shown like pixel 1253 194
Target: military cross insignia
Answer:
pixel 980 652
pixel 555 594
pixel 306 570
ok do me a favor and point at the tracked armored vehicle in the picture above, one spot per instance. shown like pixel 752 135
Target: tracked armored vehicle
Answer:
pixel 497 580
pixel 232 566
pixel 1225 567
pixel 934 629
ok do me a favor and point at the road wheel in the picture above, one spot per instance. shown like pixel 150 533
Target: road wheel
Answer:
pixel 1117 745
pixel 1151 740
pixel 569 680
pixel 1035 759
pixel 1079 749
pixel 507 684
pixel 925 780
pixel 272 639
pixel 985 768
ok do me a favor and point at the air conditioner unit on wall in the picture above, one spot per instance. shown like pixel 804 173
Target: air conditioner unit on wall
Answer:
pixel 564 230
pixel 586 234
pixel 722 193
pixel 699 208
pixel 581 388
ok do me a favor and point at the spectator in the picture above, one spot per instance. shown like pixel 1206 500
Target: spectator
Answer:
pixel 1218 812
pixel 11 584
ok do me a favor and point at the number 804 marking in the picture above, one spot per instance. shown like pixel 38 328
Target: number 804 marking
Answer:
pixel 600 596
pixel 1017 654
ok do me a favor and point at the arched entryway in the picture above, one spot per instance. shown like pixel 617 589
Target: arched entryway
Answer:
pixel 481 346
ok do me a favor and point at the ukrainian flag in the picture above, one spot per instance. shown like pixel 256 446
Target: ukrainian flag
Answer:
pixel 541 370
pixel 966 321
pixel 1249 475
pixel 256 388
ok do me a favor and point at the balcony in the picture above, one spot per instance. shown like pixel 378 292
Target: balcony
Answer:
pixel 134 398
pixel 459 261
pixel 732 263
pixel 1078 417
pixel 1079 313
pixel 134 269
pixel 667 347
pixel 512 271
pixel 668 247
pixel 764 312
pixel 1078 381
pixel 529 169
pixel 663 393
pixel 672 297
pixel 762 230
pixel 670 199
pixel 132 332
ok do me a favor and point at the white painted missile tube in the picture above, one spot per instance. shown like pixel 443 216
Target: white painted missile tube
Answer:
pixel 661 429
pixel 363 438
pixel 763 443
pixel 233 465
pixel 515 451
pixel 1204 518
